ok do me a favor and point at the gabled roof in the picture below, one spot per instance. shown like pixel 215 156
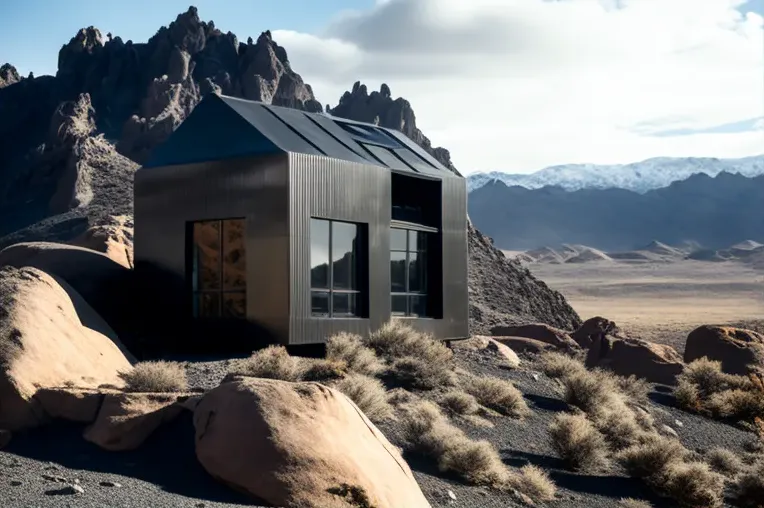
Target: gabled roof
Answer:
pixel 223 127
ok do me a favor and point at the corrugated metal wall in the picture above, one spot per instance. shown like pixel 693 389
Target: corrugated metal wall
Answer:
pixel 254 188
pixel 334 189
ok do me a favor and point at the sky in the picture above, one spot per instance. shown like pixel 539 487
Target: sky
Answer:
pixel 505 85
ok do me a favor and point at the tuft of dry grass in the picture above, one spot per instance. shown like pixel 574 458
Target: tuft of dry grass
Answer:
pixel 579 443
pixel 647 459
pixel 350 349
pixel 417 373
pixel 400 396
pixel 322 370
pixel 155 376
pixel 591 391
pixel 628 502
pixel 705 389
pixel 634 388
pixel 368 394
pixel 427 431
pixel 459 403
pixel 273 362
pixel 559 365
pixel 749 487
pixel 534 483
pixel 692 484
pixel 497 394
pixel 724 462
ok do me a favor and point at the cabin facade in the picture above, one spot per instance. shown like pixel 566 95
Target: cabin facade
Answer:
pixel 301 223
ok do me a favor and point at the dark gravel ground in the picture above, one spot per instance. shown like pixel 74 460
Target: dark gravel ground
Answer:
pixel 165 473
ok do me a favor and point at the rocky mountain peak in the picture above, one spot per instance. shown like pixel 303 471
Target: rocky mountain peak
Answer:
pixel 9 75
pixel 380 107
pixel 72 121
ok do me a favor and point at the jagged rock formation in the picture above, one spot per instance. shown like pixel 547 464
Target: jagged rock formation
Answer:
pixel 72 142
pixel 8 75
pixel 380 108
pixel 503 292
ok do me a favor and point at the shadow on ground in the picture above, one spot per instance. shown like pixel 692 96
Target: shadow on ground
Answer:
pixel 611 486
pixel 547 403
pixel 167 459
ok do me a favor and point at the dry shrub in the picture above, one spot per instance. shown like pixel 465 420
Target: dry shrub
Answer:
pixel 558 365
pixel 739 405
pixel 368 394
pixel 273 362
pixel 725 462
pixel 427 432
pixel 591 391
pixel 634 388
pixel 497 394
pixel 397 340
pixel 647 459
pixel 156 376
pixel 460 403
pixel 322 370
pixel 399 396
pixel 420 374
pixel 350 349
pixel 579 443
pixel 704 388
pixel 534 483
pixel 644 419
pixel 620 427
pixel 628 502
pixel 749 487
pixel 692 484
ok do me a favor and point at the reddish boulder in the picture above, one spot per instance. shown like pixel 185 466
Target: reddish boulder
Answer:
pixel 736 348
pixel 656 363
pixel 541 332
pixel 593 329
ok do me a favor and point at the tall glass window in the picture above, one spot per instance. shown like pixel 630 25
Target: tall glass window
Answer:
pixel 337 268
pixel 408 272
pixel 218 268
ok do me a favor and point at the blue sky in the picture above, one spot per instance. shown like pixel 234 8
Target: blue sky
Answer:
pixel 33 31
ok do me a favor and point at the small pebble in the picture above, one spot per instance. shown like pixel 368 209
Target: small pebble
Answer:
pixel 678 423
pixel 536 377
pixel 57 479
pixel 110 484
pixel 452 495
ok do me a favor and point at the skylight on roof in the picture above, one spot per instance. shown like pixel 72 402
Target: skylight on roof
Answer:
pixel 370 135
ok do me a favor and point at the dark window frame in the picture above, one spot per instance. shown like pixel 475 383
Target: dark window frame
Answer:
pixel 431 237
pixel 362 273
pixel 192 262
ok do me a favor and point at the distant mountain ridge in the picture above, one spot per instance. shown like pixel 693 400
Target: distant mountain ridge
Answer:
pixel 713 212
pixel 639 177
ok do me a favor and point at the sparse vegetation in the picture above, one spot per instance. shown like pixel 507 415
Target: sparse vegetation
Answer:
pixel 497 394
pixel 459 403
pixel 724 462
pixel 635 388
pixel 273 362
pixel 534 483
pixel 322 370
pixel 705 389
pixel 691 483
pixel 647 459
pixel 420 374
pixel 155 376
pixel 579 443
pixel 368 394
pixel 349 348
pixel 749 487
pixel 559 365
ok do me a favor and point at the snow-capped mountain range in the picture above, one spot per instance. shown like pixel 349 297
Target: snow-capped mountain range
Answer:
pixel 638 176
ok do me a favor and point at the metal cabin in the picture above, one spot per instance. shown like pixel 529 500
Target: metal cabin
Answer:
pixel 302 224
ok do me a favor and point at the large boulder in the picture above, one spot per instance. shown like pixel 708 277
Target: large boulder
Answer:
pixel 541 332
pixel 737 349
pixel 126 420
pixel 656 363
pixel 592 330
pixel 115 239
pixel 49 337
pixel 299 444
pixel 525 345
pixel 104 283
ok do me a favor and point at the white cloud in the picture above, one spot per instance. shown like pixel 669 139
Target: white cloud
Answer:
pixel 517 85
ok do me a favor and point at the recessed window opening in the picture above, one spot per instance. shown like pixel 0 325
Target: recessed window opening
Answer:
pixel 338 274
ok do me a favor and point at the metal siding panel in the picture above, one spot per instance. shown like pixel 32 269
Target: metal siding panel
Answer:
pixel 340 190
pixel 253 188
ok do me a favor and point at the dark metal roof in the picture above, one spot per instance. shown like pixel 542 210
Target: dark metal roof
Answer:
pixel 212 132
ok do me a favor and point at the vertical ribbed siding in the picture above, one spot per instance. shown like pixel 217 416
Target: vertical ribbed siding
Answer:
pixel 333 189
pixel 339 190
pixel 256 189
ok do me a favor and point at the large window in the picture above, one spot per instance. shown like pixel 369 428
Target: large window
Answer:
pixel 408 272
pixel 218 268
pixel 337 268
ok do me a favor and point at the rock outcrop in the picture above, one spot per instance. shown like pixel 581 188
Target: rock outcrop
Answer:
pixel 48 339
pixel 503 292
pixel 8 75
pixel 593 329
pixel 380 108
pixel 737 349
pixel 299 444
pixel 540 332
pixel 657 363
